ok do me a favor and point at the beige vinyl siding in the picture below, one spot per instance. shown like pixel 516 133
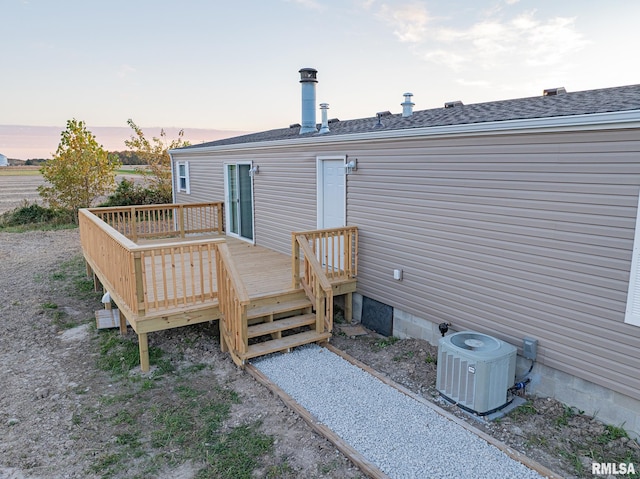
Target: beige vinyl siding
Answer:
pixel 206 181
pixel 284 191
pixel 520 235
pixel 285 198
pixel 512 235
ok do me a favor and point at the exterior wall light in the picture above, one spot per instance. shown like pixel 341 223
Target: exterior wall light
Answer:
pixel 351 166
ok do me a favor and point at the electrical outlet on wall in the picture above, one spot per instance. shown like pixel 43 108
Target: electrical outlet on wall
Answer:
pixel 530 348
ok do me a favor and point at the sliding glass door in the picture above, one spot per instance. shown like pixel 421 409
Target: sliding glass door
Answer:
pixel 239 200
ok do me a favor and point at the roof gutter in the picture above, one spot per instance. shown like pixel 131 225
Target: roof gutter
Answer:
pixel 594 121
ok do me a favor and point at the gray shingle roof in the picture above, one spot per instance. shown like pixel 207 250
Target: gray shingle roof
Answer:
pixel 566 104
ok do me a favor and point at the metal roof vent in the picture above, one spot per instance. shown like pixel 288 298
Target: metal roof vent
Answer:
pixel 407 105
pixel 451 104
pixel 379 116
pixel 325 122
pixel 308 80
pixel 554 91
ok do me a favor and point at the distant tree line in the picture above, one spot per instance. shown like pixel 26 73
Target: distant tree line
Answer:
pixel 125 157
pixel 128 157
pixel 29 162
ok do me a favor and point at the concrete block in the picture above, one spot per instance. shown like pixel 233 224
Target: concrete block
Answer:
pixel 413 326
pixel 357 307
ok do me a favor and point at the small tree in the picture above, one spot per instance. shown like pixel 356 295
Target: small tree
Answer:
pixel 156 155
pixel 80 172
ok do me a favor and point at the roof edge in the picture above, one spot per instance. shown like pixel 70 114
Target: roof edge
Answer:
pixel 592 121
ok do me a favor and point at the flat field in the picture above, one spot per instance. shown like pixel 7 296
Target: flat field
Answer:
pixel 18 184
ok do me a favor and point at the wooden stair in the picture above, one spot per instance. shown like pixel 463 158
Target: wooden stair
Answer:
pixel 281 322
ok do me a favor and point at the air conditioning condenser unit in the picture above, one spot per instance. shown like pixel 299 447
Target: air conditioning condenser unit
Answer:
pixel 475 371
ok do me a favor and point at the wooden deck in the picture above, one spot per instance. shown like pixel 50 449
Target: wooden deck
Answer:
pixel 182 270
pixel 264 272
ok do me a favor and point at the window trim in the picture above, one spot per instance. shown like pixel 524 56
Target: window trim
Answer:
pixel 186 177
pixel 632 311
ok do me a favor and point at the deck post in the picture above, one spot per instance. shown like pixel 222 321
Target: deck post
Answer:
pixel 295 261
pixel 348 307
pixel 181 219
pixel 143 346
pixel 320 311
pixel 134 226
pixel 220 225
pixel 244 337
pixel 139 285
pixel 123 322
pixel 224 347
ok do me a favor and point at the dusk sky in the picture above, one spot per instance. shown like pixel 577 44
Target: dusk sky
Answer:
pixel 234 64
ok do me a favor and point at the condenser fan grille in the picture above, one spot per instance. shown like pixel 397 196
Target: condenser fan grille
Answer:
pixel 475 370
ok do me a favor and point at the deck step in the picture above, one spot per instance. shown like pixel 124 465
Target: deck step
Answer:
pixel 280 325
pixel 278 307
pixel 283 344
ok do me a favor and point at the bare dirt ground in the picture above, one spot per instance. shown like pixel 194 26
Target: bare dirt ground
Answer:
pixel 63 417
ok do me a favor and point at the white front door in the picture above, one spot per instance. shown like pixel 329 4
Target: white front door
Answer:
pixel 332 209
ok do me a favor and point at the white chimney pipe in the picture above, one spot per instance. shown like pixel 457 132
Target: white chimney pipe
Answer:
pixel 308 80
pixel 407 105
pixel 325 121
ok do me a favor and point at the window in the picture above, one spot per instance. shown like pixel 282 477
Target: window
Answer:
pixel 183 177
pixel 632 314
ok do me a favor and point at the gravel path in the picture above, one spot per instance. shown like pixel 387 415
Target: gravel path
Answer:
pixel 403 437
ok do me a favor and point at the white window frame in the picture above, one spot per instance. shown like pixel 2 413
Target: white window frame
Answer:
pixel 632 313
pixel 179 178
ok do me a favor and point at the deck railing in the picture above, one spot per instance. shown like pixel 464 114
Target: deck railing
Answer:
pixel 163 221
pixel 316 285
pixel 233 300
pixel 178 274
pixel 148 278
pixel 336 249
pixel 108 251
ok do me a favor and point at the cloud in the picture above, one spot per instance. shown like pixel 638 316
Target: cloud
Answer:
pixel 473 83
pixel 409 21
pixel 125 70
pixel 523 40
pixel 310 4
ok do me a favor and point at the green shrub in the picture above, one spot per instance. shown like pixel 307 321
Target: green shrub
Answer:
pixel 128 193
pixel 36 215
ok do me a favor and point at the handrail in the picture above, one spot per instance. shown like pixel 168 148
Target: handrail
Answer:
pixel 109 252
pixel 233 300
pixel 314 264
pixel 336 249
pixel 163 221
pixel 146 278
pixel 316 285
